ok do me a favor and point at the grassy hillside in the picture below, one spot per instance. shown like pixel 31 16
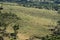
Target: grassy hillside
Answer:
pixel 32 21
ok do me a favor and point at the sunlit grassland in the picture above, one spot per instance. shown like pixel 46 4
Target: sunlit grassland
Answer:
pixel 33 21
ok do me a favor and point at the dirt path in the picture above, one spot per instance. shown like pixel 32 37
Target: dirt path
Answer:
pixel 22 36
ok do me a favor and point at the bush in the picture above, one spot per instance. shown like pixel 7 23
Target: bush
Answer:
pixel 1 38
pixel 55 35
pixel 59 11
pixel 13 35
pixel 16 27
pixel 58 22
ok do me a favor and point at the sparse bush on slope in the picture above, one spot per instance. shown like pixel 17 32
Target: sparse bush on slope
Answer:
pixel 55 35
pixel 33 21
pixel 5 20
pixel 59 11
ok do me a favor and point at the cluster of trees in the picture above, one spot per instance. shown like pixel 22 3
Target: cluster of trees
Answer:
pixel 47 5
pixel 5 20
pixel 8 18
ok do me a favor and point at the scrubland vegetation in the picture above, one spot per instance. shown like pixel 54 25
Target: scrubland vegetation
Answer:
pixel 22 23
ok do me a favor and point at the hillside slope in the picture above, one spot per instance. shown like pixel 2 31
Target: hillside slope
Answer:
pixel 33 21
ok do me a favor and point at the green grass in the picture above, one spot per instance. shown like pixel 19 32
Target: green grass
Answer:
pixel 33 21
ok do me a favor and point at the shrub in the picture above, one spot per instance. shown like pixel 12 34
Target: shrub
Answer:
pixel 16 27
pixel 1 38
pixel 58 22
pixel 13 35
pixel 59 11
